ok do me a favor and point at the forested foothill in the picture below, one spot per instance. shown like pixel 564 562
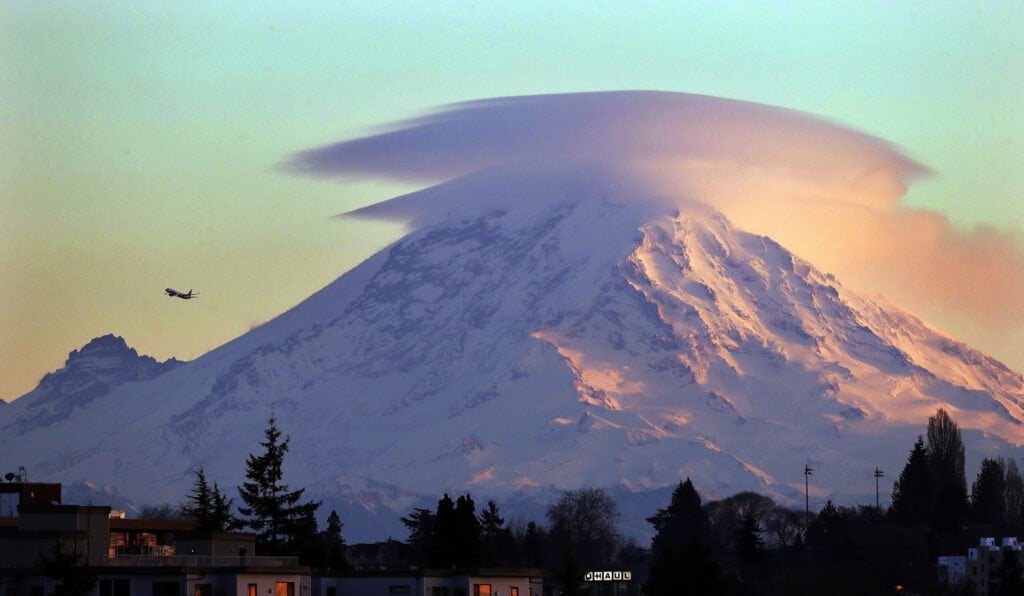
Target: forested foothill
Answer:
pixel 742 544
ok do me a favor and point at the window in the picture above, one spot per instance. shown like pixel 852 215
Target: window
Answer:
pixel 166 588
pixel 399 589
pixel 481 589
pixel 115 587
pixel 513 591
pixel 250 592
pixel 332 591
pixel 201 590
pixel 35 591
pixel 284 589
pixel 439 591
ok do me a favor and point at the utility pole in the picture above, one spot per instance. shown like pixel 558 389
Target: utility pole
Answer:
pixel 807 495
pixel 878 474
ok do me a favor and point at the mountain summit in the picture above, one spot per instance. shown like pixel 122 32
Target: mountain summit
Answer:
pixel 545 328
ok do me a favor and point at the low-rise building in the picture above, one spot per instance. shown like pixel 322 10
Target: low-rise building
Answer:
pixel 145 557
pixel 985 560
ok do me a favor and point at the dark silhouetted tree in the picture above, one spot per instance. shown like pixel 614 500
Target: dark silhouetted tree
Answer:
pixel 467 533
pixel 208 507
pixel 988 494
pixel 421 523
pixel 534 539
pixel 585 519
pixel 912 499
pixel 570 573
pixel 1013 497
pixel 334 543
pixel 274 512
pixel 445 536
pixel 681 547
pixel 946 466
pixel 497 547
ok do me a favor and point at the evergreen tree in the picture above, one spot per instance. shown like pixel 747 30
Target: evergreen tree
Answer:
pixel 946 470
pixel 209 508
pixel 198 505
pixel 221 518
pixel 681 549
pixel 421 523
pixel 444 539
pixel 467 533
pixel 335 544
pixel 496 544
pixel 912 500
pixel 683 523
pixel 988 494
pixel 274 512
pixel 749 543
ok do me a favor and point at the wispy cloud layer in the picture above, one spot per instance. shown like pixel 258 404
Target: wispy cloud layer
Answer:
pixel 827 192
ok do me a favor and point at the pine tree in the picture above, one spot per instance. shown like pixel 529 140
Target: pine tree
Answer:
pixel 334 543
pixel 198 505
pixel 444 539
pixel 222 520
pixel 912 499
pixel 209 508
pixel 680 549
pixel 467 533
pixel 421 523
pixel 496 543
pixel 988 494
pixel 274 512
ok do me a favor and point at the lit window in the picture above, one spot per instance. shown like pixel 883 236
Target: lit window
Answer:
pixel 481 589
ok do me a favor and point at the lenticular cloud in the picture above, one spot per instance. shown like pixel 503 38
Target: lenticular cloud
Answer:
pixel 626 127
pixel 827 192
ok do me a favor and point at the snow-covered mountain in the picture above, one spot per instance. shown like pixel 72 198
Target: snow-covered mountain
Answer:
pixel 89 373
pixel 541 328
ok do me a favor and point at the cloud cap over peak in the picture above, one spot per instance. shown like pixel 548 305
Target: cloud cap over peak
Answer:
pixel 623 126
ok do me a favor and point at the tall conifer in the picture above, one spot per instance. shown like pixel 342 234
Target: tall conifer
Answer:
pixel 274 512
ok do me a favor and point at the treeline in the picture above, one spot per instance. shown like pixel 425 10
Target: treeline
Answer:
pixel 743 544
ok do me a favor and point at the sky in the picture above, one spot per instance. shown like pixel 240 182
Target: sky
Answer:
pixel 144 142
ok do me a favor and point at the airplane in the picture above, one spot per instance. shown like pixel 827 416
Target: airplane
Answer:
pixel 183 295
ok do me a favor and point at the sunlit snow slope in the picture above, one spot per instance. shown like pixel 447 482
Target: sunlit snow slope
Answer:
pixel 545 328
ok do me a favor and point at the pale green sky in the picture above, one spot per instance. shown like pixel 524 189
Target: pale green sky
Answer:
pixel 140 139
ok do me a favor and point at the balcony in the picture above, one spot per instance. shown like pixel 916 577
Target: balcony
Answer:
pixel 121 560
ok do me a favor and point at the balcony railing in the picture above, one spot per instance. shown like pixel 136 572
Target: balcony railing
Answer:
pixel 200 561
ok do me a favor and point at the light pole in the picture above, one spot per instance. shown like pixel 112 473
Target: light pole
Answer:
pixel 878 474
pixel 807 495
